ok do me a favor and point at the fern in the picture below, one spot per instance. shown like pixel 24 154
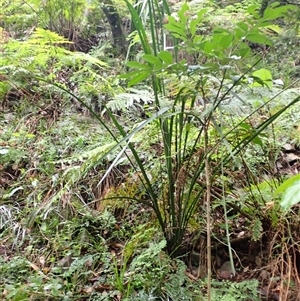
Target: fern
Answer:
pixel 91 159
pixel 93 154
pixel 80 265
pixel 46 37
pixel 38 52
pixel 134 99
pixel 257 229
pixel 234 291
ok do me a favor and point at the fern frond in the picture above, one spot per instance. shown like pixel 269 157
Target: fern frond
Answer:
pixel 41 48
pixel 95 152
pixel 133 98
pixel 46 37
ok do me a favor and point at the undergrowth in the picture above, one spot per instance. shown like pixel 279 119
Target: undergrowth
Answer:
pixel 115 192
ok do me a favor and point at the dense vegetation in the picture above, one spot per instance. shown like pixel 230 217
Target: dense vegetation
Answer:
pixel 149 150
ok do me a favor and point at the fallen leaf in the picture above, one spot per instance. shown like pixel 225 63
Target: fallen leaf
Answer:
pixel 292 157
pixel 34 266
pixel 102 287
pixel 288 147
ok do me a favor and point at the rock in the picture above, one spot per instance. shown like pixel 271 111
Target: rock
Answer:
pixel 226 271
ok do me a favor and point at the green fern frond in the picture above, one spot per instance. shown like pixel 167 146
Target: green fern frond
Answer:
pixel 95 152
pixel 46 37
pixel 41 48
pixel 89 159
pixel 133 98
pixel 257 229
pixel 88 58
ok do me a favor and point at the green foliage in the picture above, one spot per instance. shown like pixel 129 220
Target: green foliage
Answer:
pixel 15 150
pixel 67 18
pixel 210 109
pixel 223 50
pixel 133 100
pixel 232 291
pixel 177 287
pixel 145 271
pixel 18 16
pixel 290 190
pixel 256 229
pixel 150 273
pixel 17 272
pixel 283 57
pixel 61 270
pixel 241 6
pixel 258 203
pixel 28 64
pixel 37 51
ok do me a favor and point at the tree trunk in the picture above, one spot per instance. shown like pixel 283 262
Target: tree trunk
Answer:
pixel 114 21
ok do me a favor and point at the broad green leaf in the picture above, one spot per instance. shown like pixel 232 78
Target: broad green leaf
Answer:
pixel 182 13
pixel 197 39
pixel 140 76
pixel 257 37
pixel 242 26
pixel 138 65
pixel 152 59
pixel 226 41
pixel 249 131
pixel 172 20
pixel 288 183
pixel 208 47
pixel 264 24
pixel 291 195
pixel 209 66
pixel 220 55
pixel 177 30
pixel 240 34
pixel 193 26
pixel 245 126
pixel 128 75
pixel 220 31
pixel 263 74
pixel 195 22
pixel 244 50
pixel 262 77
pixel 272 13
pixel 258 82
pixel 257 140
pixel 253 10
pixel 201 13
pixel 166 57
